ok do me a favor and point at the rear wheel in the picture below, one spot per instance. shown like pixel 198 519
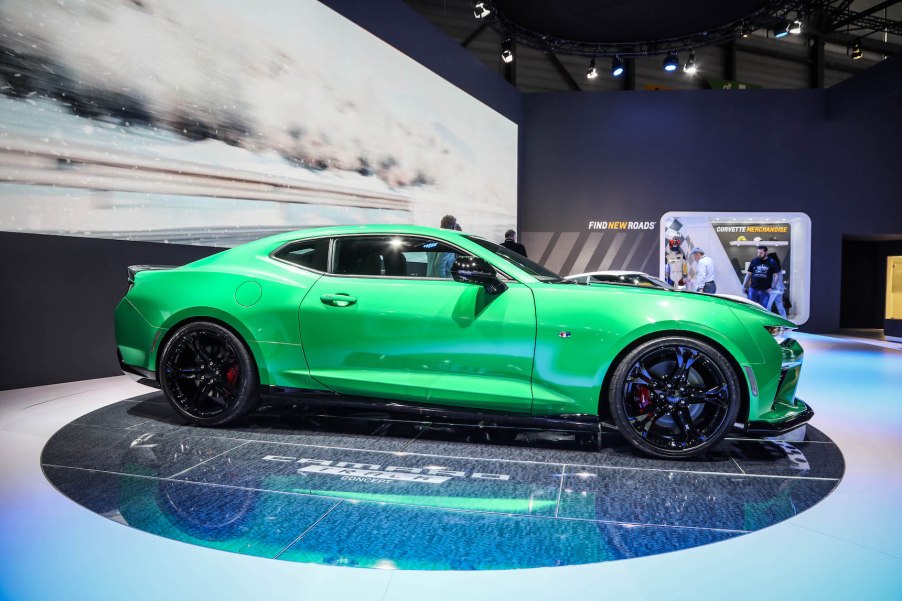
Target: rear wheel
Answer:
pixel 674 397
pixel 208 375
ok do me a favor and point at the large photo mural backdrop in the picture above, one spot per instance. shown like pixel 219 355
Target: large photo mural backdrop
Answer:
pixel 220 121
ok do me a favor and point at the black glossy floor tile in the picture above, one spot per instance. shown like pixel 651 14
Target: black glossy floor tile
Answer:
pixel 314 430
pixel 130 451
pixel 240 521
pixel 478 441
pixel 778 458
pixel 557 447
pixel 639 541
pixel 686 499
pixel 492 486
pixel 416 538
pixel 330 431
pixel 380 439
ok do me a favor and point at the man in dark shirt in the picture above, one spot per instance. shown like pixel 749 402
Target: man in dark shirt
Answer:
pixel 510 243
pixel 759 279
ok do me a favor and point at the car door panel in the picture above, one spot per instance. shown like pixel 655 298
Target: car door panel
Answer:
pixel 422 340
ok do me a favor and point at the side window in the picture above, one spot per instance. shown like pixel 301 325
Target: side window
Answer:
pixel 394 256
pixel 309 254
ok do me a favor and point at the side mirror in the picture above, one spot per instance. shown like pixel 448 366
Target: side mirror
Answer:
pixel 473 270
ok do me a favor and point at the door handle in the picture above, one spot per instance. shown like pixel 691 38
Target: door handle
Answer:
pixel 338 300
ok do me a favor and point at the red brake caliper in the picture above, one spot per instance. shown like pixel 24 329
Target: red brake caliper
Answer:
pixel 643 397
pixel 232 375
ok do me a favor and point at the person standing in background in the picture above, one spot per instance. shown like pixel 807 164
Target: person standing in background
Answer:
pixel 759 279
pixel 510 243
pixel 704 272
pixel 439 264
pixel 778 288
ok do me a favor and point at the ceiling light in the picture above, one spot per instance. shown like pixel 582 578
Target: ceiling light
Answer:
pixel 617 66
pixel 857 53
pixel 592 72
pixel 796 27
pixel 690 68
pixel 507 50
pixel 480 10
pixel 781 29
pixel 671 62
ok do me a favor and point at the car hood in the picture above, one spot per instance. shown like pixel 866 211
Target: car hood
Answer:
pixel 727 299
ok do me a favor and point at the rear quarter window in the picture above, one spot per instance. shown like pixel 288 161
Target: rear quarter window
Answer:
pixel 309 254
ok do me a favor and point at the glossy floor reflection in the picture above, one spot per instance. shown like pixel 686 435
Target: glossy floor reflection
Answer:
pixel 847 546
pixel 380 491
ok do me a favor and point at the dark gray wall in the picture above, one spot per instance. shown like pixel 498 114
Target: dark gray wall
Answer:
pixel 638 155
pixel 863 294
pixel 59 295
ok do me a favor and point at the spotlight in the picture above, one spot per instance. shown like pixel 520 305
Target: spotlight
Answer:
pixel 617 66
pixel 591 72
pixel 507 50
pixel 781 29
pixel 690 68
pixel 671 62
pixel 796 27
pixel 857 53
pixel 480 10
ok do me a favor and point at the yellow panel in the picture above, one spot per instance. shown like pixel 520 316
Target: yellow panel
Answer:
pixel 894 288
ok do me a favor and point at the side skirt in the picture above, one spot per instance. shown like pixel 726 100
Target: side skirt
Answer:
pixel 318 399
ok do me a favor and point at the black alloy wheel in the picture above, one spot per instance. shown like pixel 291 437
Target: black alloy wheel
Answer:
pixel 208 375
pixel 674 397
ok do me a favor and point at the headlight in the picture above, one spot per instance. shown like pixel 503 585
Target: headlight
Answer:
pixel 780 333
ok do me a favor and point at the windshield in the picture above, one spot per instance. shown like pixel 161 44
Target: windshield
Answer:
pixel 530 267
pixel 658 283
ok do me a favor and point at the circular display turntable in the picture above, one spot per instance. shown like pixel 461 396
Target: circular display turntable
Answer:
pixel 372 490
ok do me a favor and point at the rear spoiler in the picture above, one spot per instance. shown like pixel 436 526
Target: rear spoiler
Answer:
pixel 133 269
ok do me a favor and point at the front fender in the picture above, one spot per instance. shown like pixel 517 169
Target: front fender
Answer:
pixel 582 330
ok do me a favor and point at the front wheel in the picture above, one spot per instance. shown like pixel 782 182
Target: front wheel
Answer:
pixel 208 375
pixel 674 397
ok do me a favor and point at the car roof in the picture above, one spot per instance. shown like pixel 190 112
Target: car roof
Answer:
pixel 269 243
pixel 376 228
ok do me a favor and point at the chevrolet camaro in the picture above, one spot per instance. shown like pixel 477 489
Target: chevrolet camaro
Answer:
pixel 421 319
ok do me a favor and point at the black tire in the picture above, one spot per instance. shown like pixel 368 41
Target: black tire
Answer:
pixel 674 397
pixel 208 375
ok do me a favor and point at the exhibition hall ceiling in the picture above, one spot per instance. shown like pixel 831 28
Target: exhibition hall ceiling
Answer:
pixel 579 30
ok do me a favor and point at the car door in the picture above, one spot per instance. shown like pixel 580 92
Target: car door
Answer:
pixel 388 322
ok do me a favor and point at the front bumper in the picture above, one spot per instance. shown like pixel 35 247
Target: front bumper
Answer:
pixel 787 412
pixel 777 428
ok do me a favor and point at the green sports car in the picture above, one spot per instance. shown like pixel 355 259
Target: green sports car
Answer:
pixel 429 320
